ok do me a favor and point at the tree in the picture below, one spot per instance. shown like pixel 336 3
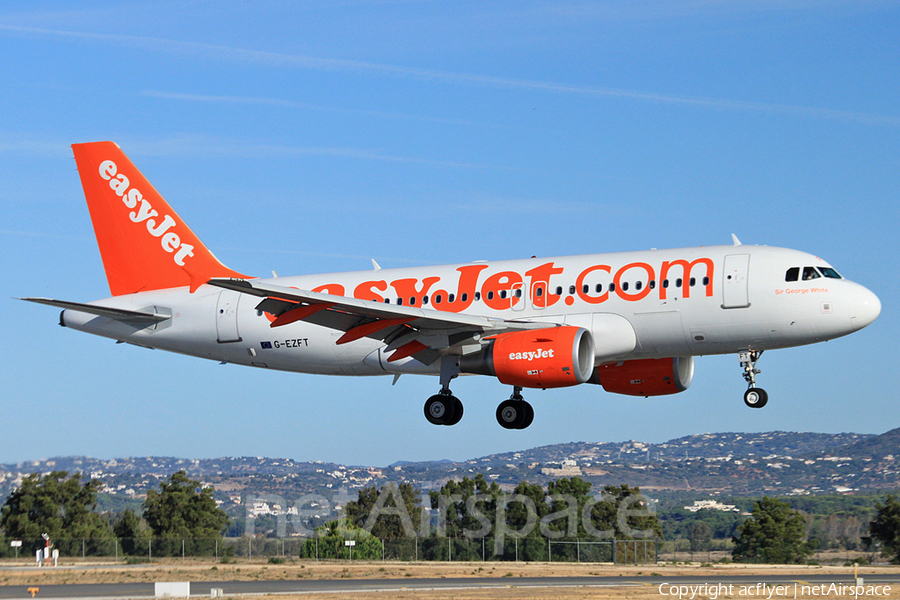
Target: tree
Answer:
pixel 390 513
pixel 568 498
pixel 700 535
pixel 183 510
pixel 624 512
pixel 525 508
pixel 774 534
pixel 132 532
pixel 678 523
pixel 60 506
pixel 886 528
pixel 467 508
pixel 329 542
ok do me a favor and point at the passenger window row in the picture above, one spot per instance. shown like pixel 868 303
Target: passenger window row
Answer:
pixel 438 299
pixel 638 286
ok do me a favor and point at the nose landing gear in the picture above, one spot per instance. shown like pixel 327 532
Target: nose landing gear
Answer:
pixel 754 397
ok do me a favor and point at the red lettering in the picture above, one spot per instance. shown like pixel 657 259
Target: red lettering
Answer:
pixel 364 290
pixel 497 291
pixel 579 285
pixel 407 288
pixel 642 293
pixel 465 291
pixel 686 267
pixel 540 285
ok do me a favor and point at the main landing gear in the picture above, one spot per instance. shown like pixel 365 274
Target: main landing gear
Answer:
pixel 754 397
pixel 515 413
pixel 443 409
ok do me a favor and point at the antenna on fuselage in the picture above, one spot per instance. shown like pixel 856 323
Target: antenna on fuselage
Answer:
pixel 737 242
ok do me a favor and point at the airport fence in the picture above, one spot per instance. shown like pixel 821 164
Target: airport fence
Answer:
pixel 411 549
pixel 363 547
pixel 683 550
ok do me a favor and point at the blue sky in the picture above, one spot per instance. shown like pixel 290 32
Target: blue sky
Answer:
pixel 310 137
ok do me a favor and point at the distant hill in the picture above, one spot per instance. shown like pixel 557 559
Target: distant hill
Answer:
pixel 702 465
pixel 882 446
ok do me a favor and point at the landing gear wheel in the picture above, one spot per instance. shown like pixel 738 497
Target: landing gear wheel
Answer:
pixel 443 409
pixel 508 413
pixel 515 414
pixel 756 397
pixel 529 415
pixel 457 411
pixel 437 408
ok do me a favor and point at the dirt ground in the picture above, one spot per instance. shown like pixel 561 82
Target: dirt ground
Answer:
pixel 310 569
pixel 575 593
pixel 507 575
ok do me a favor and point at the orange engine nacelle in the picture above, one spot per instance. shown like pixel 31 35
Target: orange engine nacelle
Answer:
pixel 540 358
pixel 646 377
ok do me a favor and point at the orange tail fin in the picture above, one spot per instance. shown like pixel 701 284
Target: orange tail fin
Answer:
pixel 144 244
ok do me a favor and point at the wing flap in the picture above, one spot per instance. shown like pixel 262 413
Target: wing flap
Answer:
pixel 297 312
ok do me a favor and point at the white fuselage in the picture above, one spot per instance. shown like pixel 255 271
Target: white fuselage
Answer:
pixel 663 303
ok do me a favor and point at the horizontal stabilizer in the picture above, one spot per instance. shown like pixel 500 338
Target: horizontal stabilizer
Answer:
pixel 102 311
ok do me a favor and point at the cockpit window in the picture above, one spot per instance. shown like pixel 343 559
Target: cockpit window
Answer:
pixel 810 273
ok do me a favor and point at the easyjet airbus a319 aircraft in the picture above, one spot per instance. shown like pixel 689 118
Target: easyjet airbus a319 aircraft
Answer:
pixel 631 322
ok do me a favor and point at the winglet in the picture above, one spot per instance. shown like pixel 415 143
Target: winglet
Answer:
pixel 737 242
pixel 144 244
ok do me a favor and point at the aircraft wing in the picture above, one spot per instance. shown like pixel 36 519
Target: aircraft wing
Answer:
pixel 422 333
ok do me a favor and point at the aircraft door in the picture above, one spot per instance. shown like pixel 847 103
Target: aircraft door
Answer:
pixel 518 296
pixel 734 281
pixel 226 317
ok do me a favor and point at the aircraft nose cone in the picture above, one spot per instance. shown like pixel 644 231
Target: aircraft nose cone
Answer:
pixel 866 308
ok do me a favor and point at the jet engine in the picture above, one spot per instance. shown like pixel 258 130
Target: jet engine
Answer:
pixel 539 358
pixel 646 377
